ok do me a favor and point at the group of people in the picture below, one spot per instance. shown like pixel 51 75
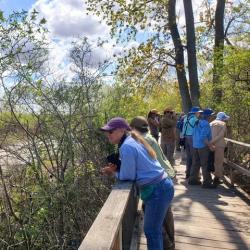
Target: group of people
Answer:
pixel 204 134
pixel 150 165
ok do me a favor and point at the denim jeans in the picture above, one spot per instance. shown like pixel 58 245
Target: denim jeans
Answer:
pixel 155 210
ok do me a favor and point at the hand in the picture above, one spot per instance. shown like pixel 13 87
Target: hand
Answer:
pixel 109 169
pixel 211 147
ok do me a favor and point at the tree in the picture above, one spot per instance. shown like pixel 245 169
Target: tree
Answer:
pixel 53 176
pixel 179 57
pixel 218 49
pixel 128 19
pixel 191 52
pixel 234 16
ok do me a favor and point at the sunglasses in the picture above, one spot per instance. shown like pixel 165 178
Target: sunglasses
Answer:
pixel 169 112
pixel 111 131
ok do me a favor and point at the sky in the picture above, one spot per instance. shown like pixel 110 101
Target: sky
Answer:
pixel 66 20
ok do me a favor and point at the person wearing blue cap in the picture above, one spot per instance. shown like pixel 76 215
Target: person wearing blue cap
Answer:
pixel 187 132
pixel 138 163
pixel 202 137
pixel 219 129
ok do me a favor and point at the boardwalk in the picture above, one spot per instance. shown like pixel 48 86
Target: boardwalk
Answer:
pixel 208 219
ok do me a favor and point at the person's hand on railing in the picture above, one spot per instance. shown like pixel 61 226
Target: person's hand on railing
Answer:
pixel 109 169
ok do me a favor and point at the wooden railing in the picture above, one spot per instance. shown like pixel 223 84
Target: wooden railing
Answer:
pixel 113 227
pixel 237 159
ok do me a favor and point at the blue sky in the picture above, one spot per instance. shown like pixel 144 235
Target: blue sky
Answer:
pixel 63 30
pixel 9 6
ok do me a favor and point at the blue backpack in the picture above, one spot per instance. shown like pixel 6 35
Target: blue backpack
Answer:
pixel 180 123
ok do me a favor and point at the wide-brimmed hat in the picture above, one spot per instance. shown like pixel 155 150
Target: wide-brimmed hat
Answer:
pixel 195 110
pixel 208 112
pixel 222 116
pixel 168 109
pixel 154 111
pixel 139 122
pixel 116 123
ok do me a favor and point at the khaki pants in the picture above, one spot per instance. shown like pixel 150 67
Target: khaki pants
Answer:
pixel 168 150
pixel 218 161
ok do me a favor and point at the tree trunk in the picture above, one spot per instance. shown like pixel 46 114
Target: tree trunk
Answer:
pixel 179 57
pixel 191 52
pixel 218 50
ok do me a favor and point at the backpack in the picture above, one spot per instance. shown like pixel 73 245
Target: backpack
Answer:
pixel 180 124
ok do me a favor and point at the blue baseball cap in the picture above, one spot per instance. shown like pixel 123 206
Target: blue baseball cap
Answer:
pixel 116 123
pixel 222 116
pixel 195 110
pixel 208 112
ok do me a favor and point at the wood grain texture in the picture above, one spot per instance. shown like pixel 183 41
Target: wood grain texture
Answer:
pixel 207 219
pixel 104 232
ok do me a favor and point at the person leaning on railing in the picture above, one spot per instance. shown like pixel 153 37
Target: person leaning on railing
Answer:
pixel 139 164
pixel 140 125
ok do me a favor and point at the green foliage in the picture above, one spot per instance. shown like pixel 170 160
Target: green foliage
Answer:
pixel 236 92
pixel 49 130
pixel 129 101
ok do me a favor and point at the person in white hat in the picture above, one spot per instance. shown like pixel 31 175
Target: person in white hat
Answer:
pixel 219 129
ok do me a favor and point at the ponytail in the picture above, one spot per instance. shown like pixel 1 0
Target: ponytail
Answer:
pixel 140 139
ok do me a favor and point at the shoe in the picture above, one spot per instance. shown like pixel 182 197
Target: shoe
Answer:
pixel 216 181
pixel 209 186
pixel 169 247
pixel 194 182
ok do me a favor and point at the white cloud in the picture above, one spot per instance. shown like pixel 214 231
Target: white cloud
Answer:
pixel 68 18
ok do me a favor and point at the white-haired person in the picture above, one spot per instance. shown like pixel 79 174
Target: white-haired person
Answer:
pixel 139 164
pixel 219 129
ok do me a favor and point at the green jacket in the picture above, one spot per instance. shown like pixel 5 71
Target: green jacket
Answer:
pixel 160 155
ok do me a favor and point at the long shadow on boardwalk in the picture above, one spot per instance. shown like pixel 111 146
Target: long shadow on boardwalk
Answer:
pixel 210 219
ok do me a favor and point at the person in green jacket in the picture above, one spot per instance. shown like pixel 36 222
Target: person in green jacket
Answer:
pixel 140 125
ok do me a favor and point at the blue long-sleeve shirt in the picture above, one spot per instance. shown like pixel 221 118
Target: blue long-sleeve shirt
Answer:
pixel 137 165
pixel 188 125
pixel 201 134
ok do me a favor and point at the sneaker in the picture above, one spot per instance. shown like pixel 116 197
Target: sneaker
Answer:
pixel 194 182
pixel 210 186
pixel 216 181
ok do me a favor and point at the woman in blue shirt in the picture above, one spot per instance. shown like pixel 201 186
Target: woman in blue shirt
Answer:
pixel 139 164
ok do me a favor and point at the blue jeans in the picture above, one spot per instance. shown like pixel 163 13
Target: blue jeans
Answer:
pixel 155 210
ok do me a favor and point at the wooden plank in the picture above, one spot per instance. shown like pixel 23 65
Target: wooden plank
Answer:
pixel 222 200
pixel 238 168
pixel 212 234
pixel 198 243
pixel 215 213
pixel 104 231
pixel 208 219
pixel 232 225
pixel 214 224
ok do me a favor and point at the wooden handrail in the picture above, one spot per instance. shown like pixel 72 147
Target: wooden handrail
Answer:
pixel 238 142
pixel 113 227
pixel 232 165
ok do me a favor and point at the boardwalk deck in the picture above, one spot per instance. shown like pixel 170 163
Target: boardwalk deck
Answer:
pixel 207 219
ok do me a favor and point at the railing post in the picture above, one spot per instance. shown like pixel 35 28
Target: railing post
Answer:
pixel 118 240
pixel 231 177
pixel 113 227
pixel 129 219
